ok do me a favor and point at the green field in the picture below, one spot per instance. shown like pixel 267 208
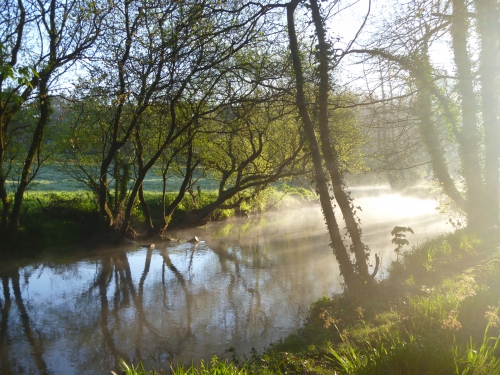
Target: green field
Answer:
pixel 53 179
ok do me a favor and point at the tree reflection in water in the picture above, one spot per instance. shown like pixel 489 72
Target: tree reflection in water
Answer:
pixel 32 337
pixel 244 286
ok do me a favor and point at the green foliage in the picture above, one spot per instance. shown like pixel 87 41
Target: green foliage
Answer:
pixel 430 312
pixel 20 75
pixel 216 366
pixel 484 359
pixel 394 356
pixel 414 355
pixel 399 238
pixel 58 219
pixel 349 140
pixel 435 253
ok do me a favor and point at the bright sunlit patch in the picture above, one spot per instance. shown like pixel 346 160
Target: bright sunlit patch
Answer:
pixel 393 206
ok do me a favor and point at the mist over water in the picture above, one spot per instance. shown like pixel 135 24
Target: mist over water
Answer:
pixel 246 284
pixel 383 210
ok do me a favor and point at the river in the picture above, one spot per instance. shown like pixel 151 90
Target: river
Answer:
pixel 247 283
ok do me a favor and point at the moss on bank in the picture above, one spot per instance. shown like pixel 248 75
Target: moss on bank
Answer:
pixel 437 313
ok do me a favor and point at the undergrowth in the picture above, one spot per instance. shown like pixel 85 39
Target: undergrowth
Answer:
pixel 60 219
pixel 215 366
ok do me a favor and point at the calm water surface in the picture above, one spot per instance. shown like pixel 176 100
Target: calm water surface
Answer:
pixel 246 284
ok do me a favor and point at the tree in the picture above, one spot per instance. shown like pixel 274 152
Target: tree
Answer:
pixel 168 59
pixel 468 107
pixel 488 18
pixel 327 153
pixel 420 88
pixel 64 31
pixel 246 148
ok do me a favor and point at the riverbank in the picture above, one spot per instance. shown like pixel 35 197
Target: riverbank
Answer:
pixel 60 219
pixel 57 220
pixel 436 313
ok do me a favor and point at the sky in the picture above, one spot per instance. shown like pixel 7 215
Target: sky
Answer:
pixel 346 24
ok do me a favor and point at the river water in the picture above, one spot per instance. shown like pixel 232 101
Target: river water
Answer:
pixel 245 284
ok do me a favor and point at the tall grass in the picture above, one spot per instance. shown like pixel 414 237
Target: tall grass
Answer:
pixel 417 355
pixel 216 366
pixel 441 303
pixel 429 257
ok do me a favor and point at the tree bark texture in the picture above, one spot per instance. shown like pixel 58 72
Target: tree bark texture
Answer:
pixel 424 111
pixel 34 149
pixel 339 249
pixel 469 138
pixel 329 152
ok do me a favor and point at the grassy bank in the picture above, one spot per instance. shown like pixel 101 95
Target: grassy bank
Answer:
pixel 65 218
pixel 437 313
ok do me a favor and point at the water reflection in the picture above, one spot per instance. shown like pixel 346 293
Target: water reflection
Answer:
pixel 245 285
pixel 26 325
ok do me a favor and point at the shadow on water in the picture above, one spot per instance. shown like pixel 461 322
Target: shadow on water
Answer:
pixel 35 343
pixel 246 284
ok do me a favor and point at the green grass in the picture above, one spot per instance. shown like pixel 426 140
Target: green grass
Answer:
pixel 215 367
pixel 57 212
pixel 417 355
pixel 437 313
pixel 57 219
pixel 61 219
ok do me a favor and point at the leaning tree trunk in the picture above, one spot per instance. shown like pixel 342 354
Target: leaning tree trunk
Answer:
pixel 430 135
pixel 34 149
pixel 427 88
pixel 148 221
pixel 102 190
pixel 345 265
pixel 188 176
pixel 202 215
pixel 4 196
pixel 329 152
